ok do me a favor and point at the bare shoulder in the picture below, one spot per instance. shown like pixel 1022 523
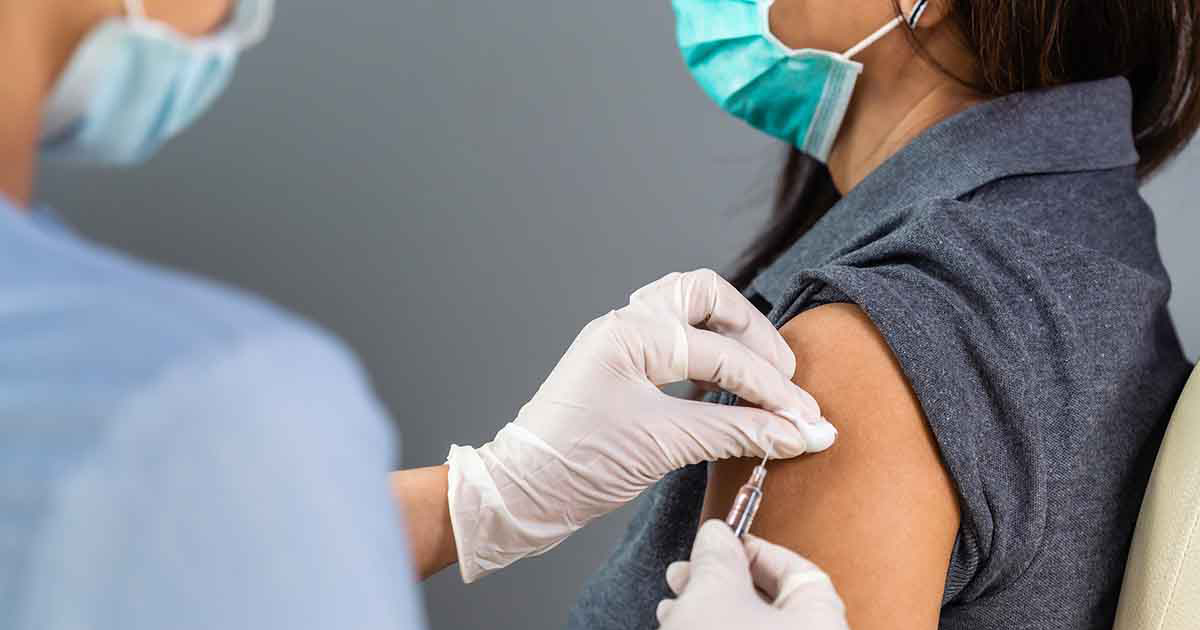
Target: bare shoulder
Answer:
pixel 878 510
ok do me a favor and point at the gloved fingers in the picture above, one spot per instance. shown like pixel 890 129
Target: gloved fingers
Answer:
pixel 717 565
pixel 677 575
pixel 786 577
pixel 722 432
pixel 704 299
pixel 722 361
pixel 663 610
pixel 718 561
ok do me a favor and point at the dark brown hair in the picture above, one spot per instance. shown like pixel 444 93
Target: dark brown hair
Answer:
pixel 1021 45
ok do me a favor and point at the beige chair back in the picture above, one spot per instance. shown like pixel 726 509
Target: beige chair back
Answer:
pixel 1162 579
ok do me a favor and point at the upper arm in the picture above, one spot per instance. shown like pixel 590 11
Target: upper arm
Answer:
pixel 878 510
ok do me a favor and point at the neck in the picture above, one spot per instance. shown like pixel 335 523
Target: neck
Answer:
pixel 36 41
pixel 889 110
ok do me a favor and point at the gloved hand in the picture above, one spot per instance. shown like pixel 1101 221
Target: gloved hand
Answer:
pixel 599 431
pixel 716 588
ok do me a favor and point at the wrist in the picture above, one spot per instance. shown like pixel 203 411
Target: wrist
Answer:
pixel 501 506
pixel 421 495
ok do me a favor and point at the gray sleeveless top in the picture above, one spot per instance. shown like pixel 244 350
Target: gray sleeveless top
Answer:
pixel 1010 263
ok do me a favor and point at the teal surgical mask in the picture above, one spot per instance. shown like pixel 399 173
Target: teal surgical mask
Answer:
pixel 133 83
pixel 798 96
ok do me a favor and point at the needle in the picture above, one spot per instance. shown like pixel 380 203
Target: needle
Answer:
pixel 749 497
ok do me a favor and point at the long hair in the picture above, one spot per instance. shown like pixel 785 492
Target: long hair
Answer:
pixel 1021 45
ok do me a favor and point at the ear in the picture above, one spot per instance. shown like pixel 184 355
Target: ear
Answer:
pixel 932 12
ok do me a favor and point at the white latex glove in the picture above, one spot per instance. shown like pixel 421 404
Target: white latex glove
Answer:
pixel 599 431
pixel 717 588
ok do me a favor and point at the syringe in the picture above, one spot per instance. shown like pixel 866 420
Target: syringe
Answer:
pixel 745 504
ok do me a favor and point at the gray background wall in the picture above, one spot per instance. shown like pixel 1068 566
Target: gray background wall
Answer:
pixel 456 188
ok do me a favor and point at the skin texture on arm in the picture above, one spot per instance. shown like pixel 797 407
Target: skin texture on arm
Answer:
pixel 421 495
pixel 878 510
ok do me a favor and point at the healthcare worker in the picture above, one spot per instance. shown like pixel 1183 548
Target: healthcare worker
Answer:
pixel 175 454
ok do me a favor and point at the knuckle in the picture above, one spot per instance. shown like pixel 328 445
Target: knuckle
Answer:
pixel 630 324
pixel 711 280
pixel 656 286
pixel 600 323
pixel 706 279
pixel 609 332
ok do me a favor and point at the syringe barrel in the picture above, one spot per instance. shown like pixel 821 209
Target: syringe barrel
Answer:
pixel 745 504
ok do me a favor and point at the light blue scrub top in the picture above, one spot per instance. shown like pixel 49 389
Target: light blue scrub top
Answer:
pixel 175 454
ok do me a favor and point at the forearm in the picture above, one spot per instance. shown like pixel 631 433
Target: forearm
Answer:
pixel 421 496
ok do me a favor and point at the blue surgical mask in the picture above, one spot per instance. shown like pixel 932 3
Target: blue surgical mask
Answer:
pixel 133 83
pixel 798 96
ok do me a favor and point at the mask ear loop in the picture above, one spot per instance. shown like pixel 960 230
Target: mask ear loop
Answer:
pixel 912 21
pixel 917 12
pixel 253 18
